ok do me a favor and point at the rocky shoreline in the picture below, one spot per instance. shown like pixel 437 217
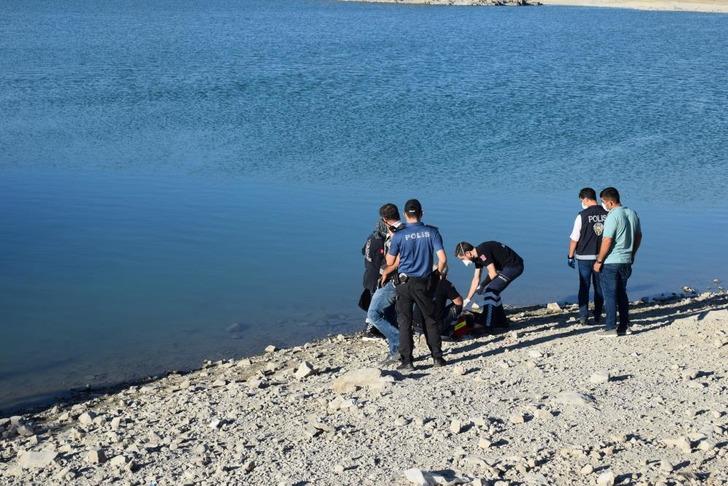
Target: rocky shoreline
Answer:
pixel 706 6
pixel 548 402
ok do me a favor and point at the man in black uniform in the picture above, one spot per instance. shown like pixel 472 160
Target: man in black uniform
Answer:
pixel 416 245
pixel 584 243
pixel 502 264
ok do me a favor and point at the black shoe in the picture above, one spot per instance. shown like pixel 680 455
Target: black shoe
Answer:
pixel 438 362
pixel 406 366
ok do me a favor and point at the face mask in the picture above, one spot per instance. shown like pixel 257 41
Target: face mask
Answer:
pixel 584 206
pixel 467 263
pixel 605 207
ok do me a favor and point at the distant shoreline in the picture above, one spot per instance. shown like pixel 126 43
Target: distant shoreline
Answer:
pixel 716 6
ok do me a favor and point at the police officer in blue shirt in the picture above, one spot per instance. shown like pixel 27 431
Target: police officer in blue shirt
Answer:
pixel 416 245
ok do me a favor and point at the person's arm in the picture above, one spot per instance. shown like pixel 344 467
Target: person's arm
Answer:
pixel 474 284
pixel 389 269
pixel 574 237
pixel 637 239
pixel 391 260
pixel 603 252
pixel 441 262
pixel 458 301
pixel 572 248
pixel 637 243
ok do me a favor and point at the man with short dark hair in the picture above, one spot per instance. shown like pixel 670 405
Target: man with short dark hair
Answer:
pixel 621 240
pixel 416 246
pixel 502 264
pixel 584 243
pixel 381 313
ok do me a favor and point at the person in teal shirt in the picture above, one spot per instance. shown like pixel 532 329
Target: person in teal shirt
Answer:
pixel 620 241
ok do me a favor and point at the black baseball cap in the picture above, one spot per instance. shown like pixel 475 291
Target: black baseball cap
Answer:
pixel 413 207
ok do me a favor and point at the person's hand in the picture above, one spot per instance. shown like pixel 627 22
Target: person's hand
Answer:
pixel 465 303
pixel 597 267
pixel 383 279
pixel 571 262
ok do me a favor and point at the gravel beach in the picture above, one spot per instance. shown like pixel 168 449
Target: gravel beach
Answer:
pixel 707 6
pixel 547 402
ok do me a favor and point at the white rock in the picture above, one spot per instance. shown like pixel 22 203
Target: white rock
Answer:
pixel 24 430
pixel 118 461
pixel 419 477
pixel 86 418
pixel 606 478
pixel 339 469
pixel 553 307
pixel 115 423
pixel 586 470
pixel 37 459
pixel 456 426
pixel 370 378
pixel 575 399
pixel 518 418
pixel 599 377
pixel 484 443
pixel 535 354
pixel 95 456
pixel 304 370
pixel 458 370
pixel 681 443
pixel 270 349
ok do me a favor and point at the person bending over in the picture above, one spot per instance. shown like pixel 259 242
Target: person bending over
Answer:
pixel 502 264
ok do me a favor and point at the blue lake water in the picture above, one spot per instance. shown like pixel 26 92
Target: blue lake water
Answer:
pixel 183 180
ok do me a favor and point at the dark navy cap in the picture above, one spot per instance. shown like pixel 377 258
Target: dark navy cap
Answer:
pixel 413 207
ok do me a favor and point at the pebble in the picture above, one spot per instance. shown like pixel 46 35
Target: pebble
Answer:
pixel 606 478
pixel 37 459
pixel 456 426
pixel 419 477
pixel 304 370
pixel 118 461
pixel 95 456
pixel 586 470
pixel 666 466
pixel 484 443
pixel 599 377
pixel 270 349
pixel 553 307
pixel 86 418
pixel 681 443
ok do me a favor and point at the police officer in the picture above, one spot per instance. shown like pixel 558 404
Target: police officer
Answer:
pixel 584 243
pixel 416 245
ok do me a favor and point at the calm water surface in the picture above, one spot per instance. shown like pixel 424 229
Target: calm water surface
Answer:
pixel 184 180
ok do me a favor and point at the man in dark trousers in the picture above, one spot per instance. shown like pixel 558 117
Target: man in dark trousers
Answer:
pixel 416 245
pixel 584 243
pixel 502 264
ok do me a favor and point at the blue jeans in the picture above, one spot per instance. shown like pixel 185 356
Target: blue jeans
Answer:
pixel 587 275
pixel 382 315
pixel 614 278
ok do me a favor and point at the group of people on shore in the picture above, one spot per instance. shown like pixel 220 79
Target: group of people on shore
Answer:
pixel 406 284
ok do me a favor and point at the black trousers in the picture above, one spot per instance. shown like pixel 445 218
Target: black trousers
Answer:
pixel 419 292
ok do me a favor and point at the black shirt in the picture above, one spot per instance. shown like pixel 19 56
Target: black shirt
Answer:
pixel 498 254
pixel 445 291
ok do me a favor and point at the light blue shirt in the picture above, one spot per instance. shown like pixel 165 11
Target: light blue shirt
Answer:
pixel 622 225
